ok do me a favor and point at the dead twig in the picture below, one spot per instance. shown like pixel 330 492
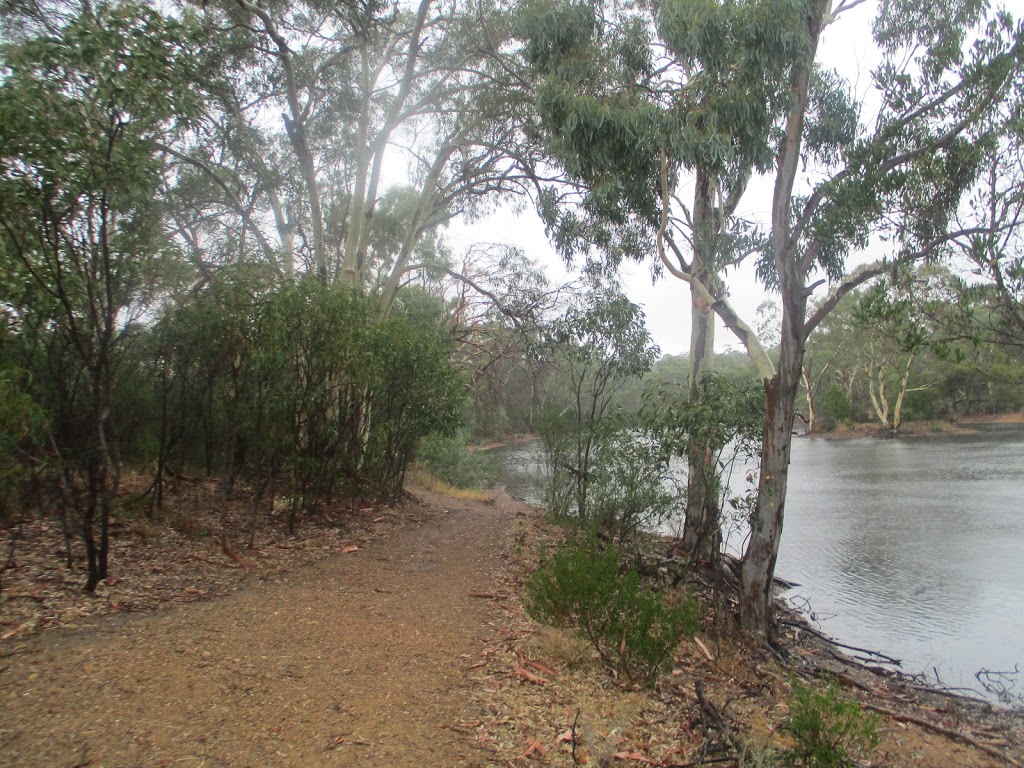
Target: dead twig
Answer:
pixel 575 721
pixel 807 628
pixel 711 713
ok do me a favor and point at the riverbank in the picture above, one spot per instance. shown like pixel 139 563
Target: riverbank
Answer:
pixel 965 426
pixel 399 639
pixel 552 703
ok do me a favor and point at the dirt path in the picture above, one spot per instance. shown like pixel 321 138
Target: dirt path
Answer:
pixel 359 660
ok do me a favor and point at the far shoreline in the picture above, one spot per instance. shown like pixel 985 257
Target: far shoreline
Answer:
pixel 934 428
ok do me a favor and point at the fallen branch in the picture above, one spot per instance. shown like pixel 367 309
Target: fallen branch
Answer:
pixel 226 548
pixel 704 648
pixel 544 669
pixel 711 712
pixel 575 722
pixel 807 628
pixel 947 732
pixel 845 679
pixel 530 677
pixel 702 761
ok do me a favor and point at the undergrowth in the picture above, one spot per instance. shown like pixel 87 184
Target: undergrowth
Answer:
pixel 451 461
pixel 827 730
pixel 633 628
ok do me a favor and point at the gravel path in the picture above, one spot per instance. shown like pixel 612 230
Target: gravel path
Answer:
pixel 357 661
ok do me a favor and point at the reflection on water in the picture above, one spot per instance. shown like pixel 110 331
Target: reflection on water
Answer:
pixel 911 547
pixel 914 547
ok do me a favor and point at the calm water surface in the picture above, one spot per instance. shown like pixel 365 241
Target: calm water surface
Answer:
pixel 912 547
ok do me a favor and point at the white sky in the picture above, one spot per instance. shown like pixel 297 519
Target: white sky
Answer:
pixel 846 46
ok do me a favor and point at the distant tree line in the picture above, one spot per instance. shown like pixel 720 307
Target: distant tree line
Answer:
pixel 204 267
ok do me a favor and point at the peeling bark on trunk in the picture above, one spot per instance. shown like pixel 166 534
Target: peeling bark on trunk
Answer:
pixel 758 571
pixel 702 535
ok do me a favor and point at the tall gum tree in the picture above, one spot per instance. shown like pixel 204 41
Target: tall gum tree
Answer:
pixel 905 178
pixel 320 109
pixel 636 105
pixel 605 100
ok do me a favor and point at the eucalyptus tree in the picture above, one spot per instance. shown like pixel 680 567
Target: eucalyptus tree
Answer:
pixel 947 70
pixel 638 104
pixel 895 337
pixel 829 361
pixel 329 124
pixel 997 254
pixel 85 96
pixel 498 303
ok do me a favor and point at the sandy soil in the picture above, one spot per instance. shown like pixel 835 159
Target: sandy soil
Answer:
pixel 359 660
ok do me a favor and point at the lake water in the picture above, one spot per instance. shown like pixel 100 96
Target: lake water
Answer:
pixel 913 547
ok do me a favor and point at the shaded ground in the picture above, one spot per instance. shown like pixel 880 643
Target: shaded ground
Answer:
pixel 358 660
pixel 405 645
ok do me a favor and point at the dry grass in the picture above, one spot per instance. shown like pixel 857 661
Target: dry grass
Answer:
pixel 560 648
pixel 424 479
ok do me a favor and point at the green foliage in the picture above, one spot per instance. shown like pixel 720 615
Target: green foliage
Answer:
pixel 725 412
pixel 328 391
pixel 829 731
pixel 631 627
pixel 21 421
pixel 302 382
pixel 600 344
pixel 628 487
pixel 414 391
pixel 723 425
pixel 632 488
pixel 451 460
pixel 833 407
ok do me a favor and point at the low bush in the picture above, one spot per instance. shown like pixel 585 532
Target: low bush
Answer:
pixel 632 628
pixel 828 730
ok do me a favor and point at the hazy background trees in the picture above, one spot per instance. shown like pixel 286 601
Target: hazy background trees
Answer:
pixel 224 248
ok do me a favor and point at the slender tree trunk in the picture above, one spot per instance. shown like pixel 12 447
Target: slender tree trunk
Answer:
pixel 702 534
pixel 897 413
pixel 98 500
pixel 810 400
pixel 758 569
pixel 791 263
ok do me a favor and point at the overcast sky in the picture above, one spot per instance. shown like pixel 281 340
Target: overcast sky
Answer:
pixel 846 46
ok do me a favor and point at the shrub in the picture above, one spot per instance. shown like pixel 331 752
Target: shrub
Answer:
pixel 615 478
pixel 631 627
pixel 631 487
pixel 450 460
pixel 828 730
